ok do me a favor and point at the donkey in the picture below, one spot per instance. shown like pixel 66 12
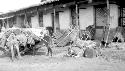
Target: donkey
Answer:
pixel 46 40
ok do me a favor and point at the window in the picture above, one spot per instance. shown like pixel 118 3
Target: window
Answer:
pixel 122 17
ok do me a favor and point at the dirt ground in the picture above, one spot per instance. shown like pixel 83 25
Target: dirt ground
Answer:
pixel 60 63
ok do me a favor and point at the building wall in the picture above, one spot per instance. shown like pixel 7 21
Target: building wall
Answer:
pixel 35 21
pixel 6 23
pixel 47 20
pixel 114 16
pixel 65 19
pixel 10 21
pixel 19 21
pixel 86 17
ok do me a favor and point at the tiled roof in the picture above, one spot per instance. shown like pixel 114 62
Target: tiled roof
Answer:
pixel 42 3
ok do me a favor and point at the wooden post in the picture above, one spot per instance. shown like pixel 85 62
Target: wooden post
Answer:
pixel 25 19
pixel 108 21
pixel 7 23
pixel 26 22
pixel 38 16
pixel 77 19
pixel 77 23
pixel 54 20
pixel 3 23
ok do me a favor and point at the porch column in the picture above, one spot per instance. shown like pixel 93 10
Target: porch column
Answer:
pixel 3 23
pixel 54 20
pixel 38 16
pixel 77 20
pixel 108 21
pixel 7 23
pixel 26 22
pixel 77 16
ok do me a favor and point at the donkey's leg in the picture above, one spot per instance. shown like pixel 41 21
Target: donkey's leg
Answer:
pixel 12 52
pixel 49 50
pixel 34 51
pixel 50 45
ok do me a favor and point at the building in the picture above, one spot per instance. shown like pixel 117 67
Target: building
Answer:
pixel 62 14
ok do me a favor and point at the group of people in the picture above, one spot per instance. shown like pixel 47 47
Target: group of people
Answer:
pixel 46 40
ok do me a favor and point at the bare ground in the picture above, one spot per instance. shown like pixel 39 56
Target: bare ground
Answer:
pixel 60 63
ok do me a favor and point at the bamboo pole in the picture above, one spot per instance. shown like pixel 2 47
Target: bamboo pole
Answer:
pixel 108 20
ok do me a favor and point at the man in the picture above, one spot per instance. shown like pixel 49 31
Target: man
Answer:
pixel 12 43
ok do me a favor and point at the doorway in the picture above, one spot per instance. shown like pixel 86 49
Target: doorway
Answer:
pixel 100 21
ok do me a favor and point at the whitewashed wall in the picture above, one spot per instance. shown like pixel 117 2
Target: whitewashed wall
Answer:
pixel 114 16
pixel 7 25
pixel 47 20
pixel 65 19
pixel 19 21
pixel 35 21
pixel 86 17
